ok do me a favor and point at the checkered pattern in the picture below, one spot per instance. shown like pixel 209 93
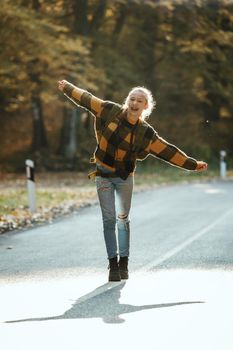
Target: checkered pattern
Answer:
pixel 113 134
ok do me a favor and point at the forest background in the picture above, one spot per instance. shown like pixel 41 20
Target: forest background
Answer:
pixel 181 50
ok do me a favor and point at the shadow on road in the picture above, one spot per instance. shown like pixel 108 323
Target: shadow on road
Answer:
pixel 103 302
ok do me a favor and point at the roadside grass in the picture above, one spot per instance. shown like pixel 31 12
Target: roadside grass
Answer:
pixel 59 194
pixel 165 174
pixel 13 199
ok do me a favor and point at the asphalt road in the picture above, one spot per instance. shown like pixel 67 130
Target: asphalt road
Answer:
pixel 53 279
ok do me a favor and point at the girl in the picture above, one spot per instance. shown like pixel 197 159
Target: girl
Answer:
pixel 123 136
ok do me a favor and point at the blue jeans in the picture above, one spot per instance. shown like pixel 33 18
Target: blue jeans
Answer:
pixel 115 213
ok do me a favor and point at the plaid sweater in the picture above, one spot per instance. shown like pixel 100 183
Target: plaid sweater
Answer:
pixel 116 136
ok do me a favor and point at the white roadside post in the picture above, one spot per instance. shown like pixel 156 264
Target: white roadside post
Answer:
pixel 31 185
pixel 223 164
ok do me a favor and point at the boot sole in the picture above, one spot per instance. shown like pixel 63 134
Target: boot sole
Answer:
pixel 124 275
pixel 114 277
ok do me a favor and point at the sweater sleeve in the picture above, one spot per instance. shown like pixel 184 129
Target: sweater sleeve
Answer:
pixel 170 153
pixel 84 99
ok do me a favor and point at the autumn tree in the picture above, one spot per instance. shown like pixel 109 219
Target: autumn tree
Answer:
pixel 32 63
pixel 181 50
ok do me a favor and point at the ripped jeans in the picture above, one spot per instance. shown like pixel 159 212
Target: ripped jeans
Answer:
pixel 107 189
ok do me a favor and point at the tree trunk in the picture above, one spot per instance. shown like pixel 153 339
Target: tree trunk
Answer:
pixel 39 140
pixel 36 5
pixel 123 11
pixel 80 8
pixel 150 25
pixel 71 147
pixel 98 16
pixel 68 140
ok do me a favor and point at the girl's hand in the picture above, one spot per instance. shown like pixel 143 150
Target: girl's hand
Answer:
pixel 201 166
pixel 61 84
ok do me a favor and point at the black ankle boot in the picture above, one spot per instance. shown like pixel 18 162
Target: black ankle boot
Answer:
pixel 114 273
pixel 123 266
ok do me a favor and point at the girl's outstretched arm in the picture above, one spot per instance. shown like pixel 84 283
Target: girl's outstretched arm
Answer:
pixel 201 166
pixel 173 155
pixel 82 97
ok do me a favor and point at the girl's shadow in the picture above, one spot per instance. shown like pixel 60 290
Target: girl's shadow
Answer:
pixel 103 303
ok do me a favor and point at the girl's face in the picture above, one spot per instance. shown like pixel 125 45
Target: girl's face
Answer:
pixel 137 102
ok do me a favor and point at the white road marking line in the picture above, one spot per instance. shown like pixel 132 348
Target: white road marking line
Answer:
pixel 183 245
pixel 111 285
pixel 169 254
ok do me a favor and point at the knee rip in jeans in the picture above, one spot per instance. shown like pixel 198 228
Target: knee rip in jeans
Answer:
pixel 123 221
pixel 122 216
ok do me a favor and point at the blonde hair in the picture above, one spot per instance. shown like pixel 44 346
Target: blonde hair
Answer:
pixel 151 103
